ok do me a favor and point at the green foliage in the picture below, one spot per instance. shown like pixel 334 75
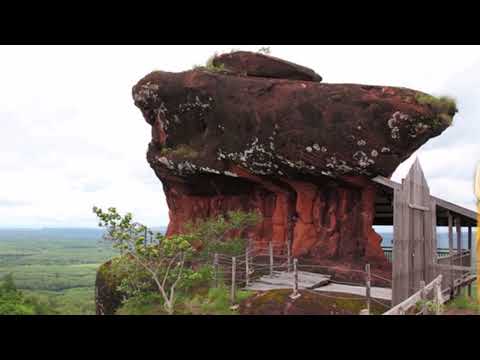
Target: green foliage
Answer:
pixel 265 50
pixel 145 303
pixel 170 265
pixel 210 66
pixel 13 301
pixel 214 301
pixel 464 302
pixel 217 302
pixel 444 106
pixel 213 232
pixel 161 262
pixel 430 306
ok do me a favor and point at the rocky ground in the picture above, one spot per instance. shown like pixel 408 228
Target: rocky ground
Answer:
pixel 278 302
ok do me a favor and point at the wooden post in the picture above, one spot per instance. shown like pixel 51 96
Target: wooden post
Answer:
pixel 215 266
pixel 458 227
pixel 469 288
pixel 270 250
pixel 367 287
pixel 247 269
pixel 295 293
pixel 423 296
pixel 288 257
pixel 234 268
pixel 450 252
pixel 437 296
pixel 146 234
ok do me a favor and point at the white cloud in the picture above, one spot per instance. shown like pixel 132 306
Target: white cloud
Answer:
pixel 71 137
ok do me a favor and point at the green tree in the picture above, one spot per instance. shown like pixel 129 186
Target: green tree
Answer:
pixel 12 301
pixel 163 260
pixel 224 234
pixel 170 265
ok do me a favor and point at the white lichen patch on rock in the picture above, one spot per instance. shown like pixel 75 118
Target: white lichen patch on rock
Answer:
pixel 394 122
pixel 168 163
pixel 209 170
pixel 146 93
pixel 362 159
pixel 374 153
pixel 361 142
pixel 385 150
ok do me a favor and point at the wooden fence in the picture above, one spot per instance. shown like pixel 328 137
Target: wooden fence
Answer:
pixel 415 257
pixel 414 234
pixel 420 300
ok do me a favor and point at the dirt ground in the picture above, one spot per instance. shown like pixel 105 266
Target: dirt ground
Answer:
pixel 460 312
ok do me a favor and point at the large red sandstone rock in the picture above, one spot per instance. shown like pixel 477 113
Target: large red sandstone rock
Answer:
pixel 259 65
pixel 283 147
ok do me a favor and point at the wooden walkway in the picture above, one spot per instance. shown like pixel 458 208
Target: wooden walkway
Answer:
pixel 317 282
pixel 375 292
pixel 284 280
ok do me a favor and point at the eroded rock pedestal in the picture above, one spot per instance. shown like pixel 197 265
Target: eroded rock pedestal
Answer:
pixel 299 151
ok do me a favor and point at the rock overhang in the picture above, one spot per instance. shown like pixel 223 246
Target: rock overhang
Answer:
pixel 281 127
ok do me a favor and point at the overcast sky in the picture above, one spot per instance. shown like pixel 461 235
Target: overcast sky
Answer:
pixel 71 137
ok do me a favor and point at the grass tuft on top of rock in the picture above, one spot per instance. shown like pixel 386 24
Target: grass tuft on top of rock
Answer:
pixel 444 106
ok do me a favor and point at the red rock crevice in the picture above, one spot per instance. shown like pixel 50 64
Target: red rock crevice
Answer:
pixel 326 221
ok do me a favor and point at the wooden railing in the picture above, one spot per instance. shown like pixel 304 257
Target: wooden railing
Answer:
pixel 388 251
pixel 421 297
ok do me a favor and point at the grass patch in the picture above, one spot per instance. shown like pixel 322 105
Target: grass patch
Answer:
pixel 212 301
pixel 444 106
pixel 210 65
pixel 463 302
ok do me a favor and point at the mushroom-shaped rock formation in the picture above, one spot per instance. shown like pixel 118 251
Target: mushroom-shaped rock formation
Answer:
pixel 273 138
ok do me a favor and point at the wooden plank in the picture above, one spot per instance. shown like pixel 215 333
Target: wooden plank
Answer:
pixel 284 280
pixel 418 193
pixel 418 207
pixel 398 251
pixel 375 292
pixel 402 245
pixel 454 267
